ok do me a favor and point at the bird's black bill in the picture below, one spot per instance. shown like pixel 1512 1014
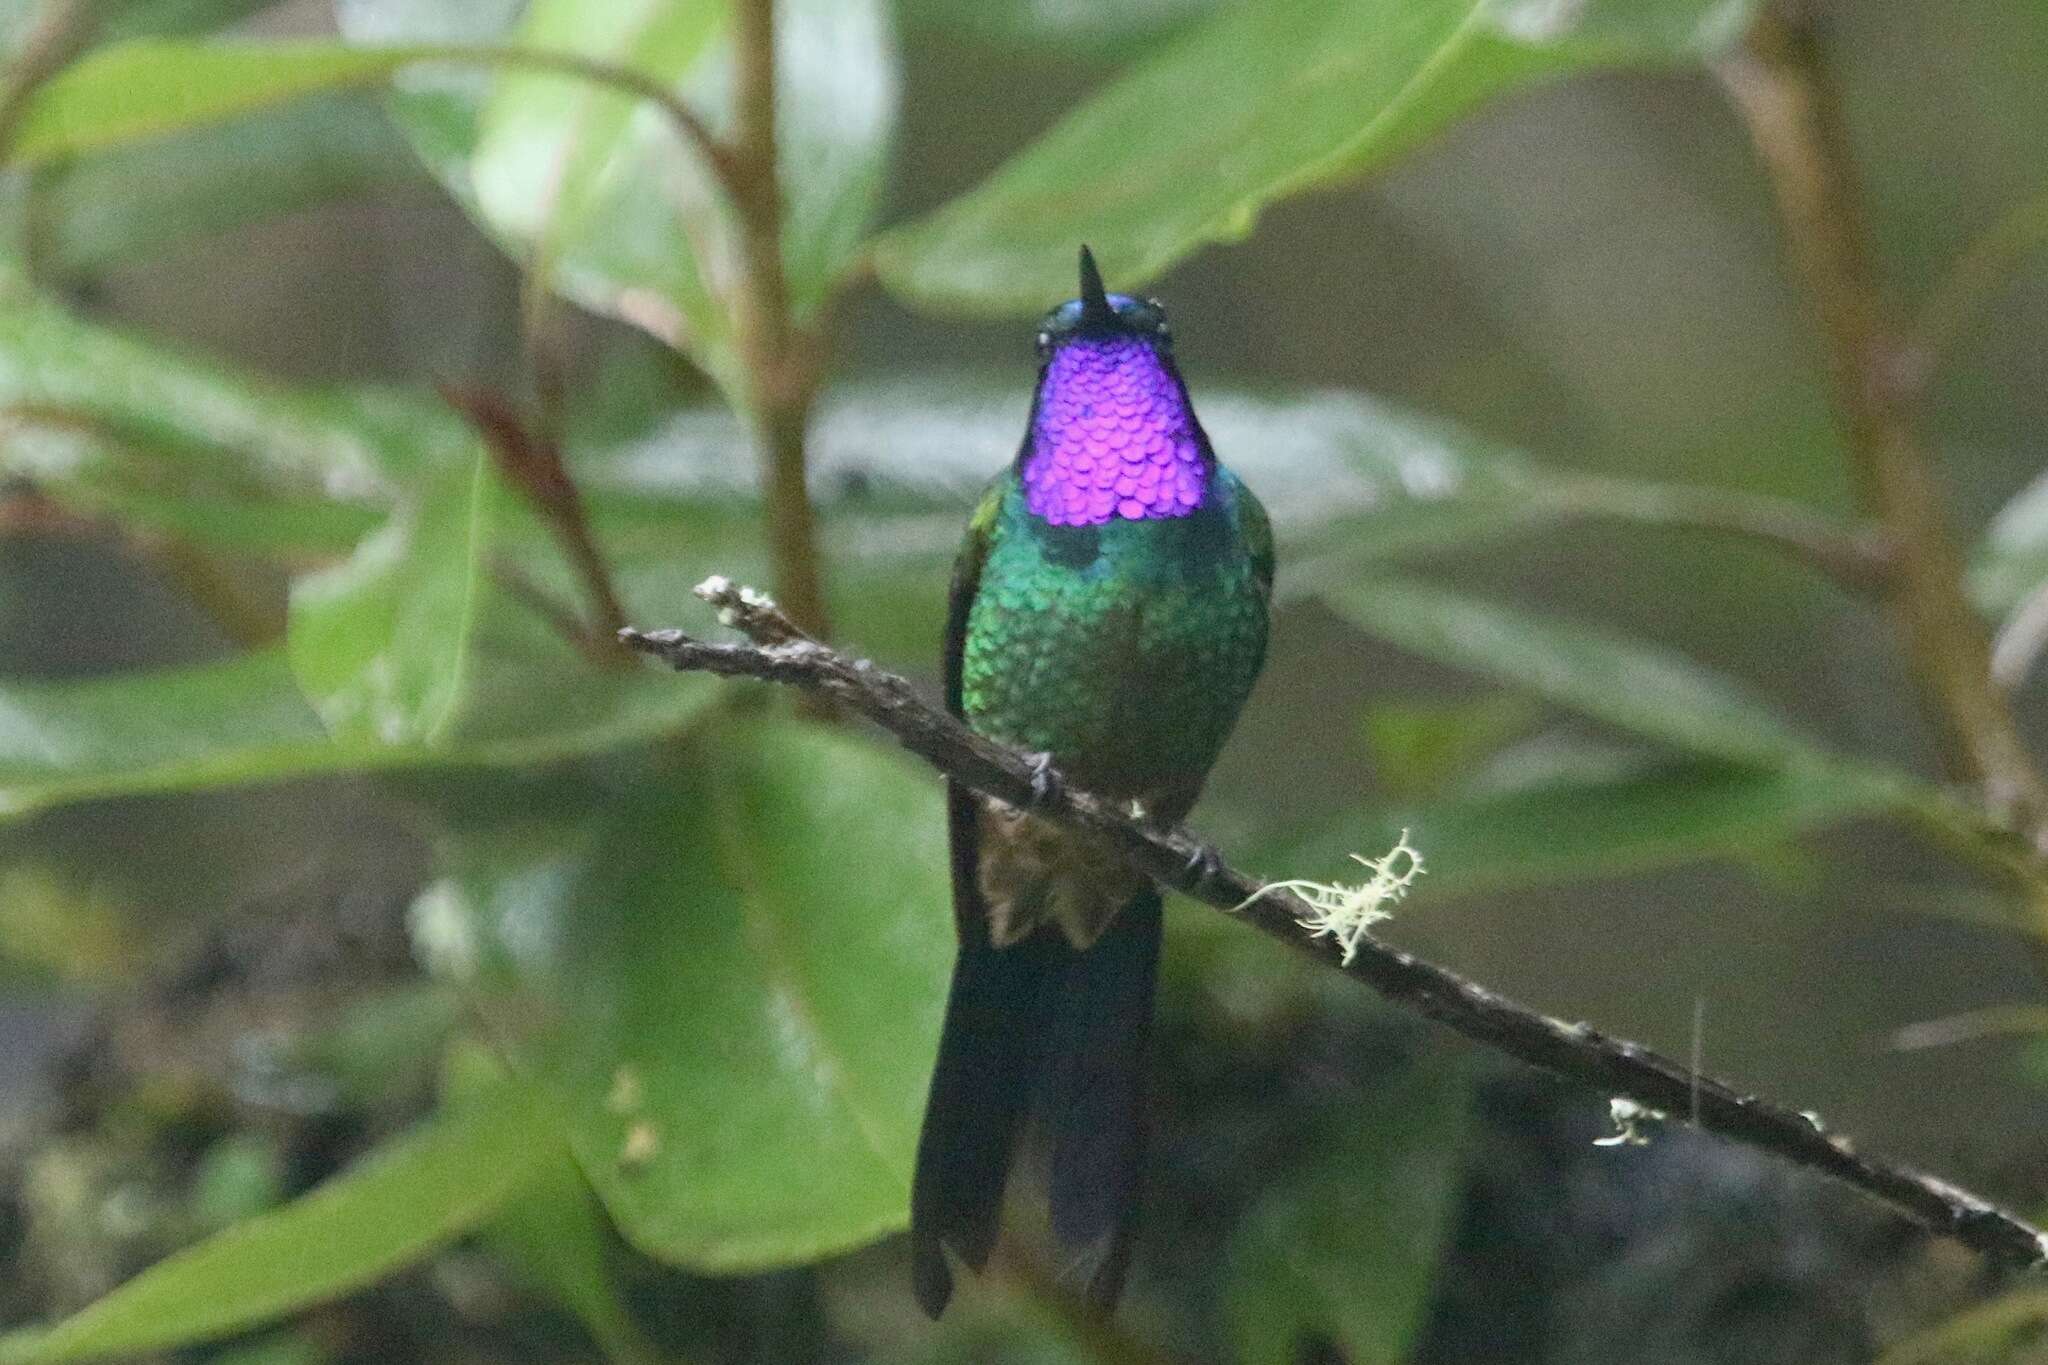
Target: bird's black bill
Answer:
pixel 1095 309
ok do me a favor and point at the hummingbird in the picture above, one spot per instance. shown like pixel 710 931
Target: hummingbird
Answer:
pixel 1107 616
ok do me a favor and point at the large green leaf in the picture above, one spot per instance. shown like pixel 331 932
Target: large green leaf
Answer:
pixel 1640 688
pixel 1585 816
pixel 392 1208
pixel 1343 1244
pixel 147 87
pixel 733 972
pixel 1347 477
pixel 239 720
pixel 621 215
pixel 1087 30
pixel 416 642
pixel 130 203
pixel 244 719
pixel 112 425
pixel 552 1231
pixel 133 18
pixel 1259 102
pixel 1623 682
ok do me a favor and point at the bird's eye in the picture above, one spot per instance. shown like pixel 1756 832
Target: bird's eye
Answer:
pixel 1044 344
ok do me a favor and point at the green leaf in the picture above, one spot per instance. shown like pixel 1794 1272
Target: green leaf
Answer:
pixel 733 972
pixel 1582 818
pixel 1087 30
pixel 244 720
pixel 1623 682
pixel 2011 563
pixel 560 169
pixel 384 644
pixel 552 1231
pixel 391 1208
pixel 141 18
pixel 134 18
pixel 113 426
pixel 415 642
pixel 622 215
pixel 897 464
pixel 1420 746
pixel 146 87
pixel 132 202
pixel 1260 102
pixel 239 720
pixel 1344 1243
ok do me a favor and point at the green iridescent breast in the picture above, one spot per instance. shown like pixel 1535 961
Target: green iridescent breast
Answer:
pixel 1125 650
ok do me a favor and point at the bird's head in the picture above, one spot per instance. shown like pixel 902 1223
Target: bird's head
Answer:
pixel 1100 316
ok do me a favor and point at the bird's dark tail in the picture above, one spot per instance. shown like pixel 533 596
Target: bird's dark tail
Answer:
pixel 1039 1021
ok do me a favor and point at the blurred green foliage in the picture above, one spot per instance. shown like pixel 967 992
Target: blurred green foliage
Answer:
pixel 707 939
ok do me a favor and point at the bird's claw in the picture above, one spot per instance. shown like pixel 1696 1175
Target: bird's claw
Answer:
pixel 1205 865
pixel 1045 782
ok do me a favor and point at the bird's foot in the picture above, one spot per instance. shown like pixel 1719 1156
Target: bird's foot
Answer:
pixel 1205 865
pixel 1045 782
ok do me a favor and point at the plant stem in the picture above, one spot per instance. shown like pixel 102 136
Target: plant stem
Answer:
pixel 781 364
pixel 1781 87
pixel 532 463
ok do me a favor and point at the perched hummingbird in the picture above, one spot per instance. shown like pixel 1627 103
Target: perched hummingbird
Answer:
pixel 1108 614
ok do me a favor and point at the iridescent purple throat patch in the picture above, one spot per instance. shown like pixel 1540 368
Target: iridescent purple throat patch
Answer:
pixel 1113 438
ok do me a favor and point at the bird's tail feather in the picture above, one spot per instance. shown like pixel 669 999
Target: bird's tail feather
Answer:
pixel 998 1024
pixel 1094 1097
pixel 1036 1020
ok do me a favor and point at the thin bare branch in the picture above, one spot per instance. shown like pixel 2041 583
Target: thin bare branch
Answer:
pixel 781 363
pixel 781 653
pixel 533 464
pixel 1780 84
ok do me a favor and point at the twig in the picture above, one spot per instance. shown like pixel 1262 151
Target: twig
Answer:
pixel 533 465
pixel 784 654
pixel 781 363
pixel 1780 85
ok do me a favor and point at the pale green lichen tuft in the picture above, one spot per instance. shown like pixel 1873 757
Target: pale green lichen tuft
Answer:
pixel 1345 913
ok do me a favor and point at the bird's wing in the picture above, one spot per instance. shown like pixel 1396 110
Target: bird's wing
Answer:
pixel 970 914
pixel 966 581
pixel 1258 534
